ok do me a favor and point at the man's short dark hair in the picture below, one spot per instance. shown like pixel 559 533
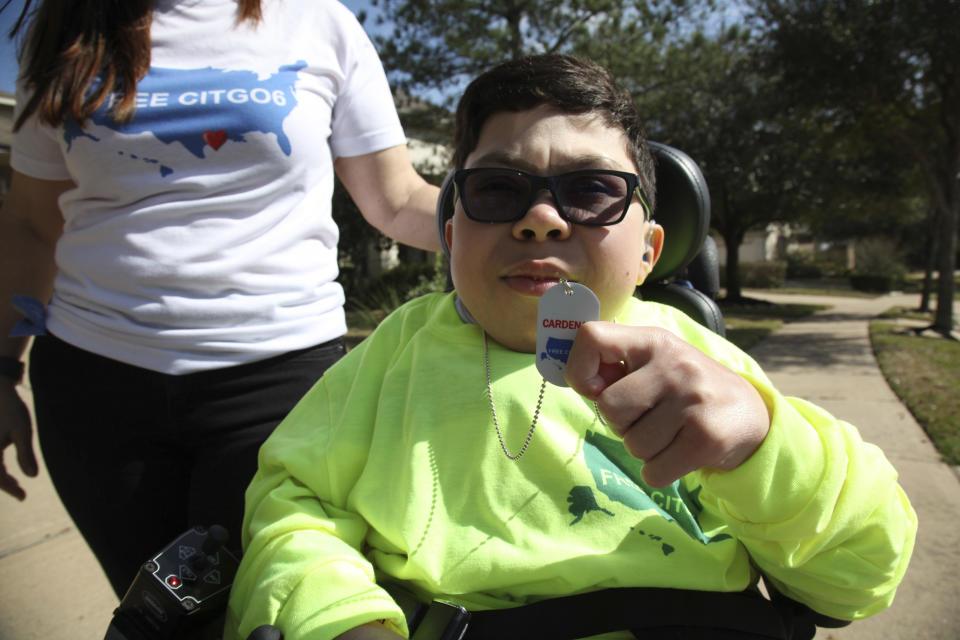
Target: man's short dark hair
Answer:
pixel 571 85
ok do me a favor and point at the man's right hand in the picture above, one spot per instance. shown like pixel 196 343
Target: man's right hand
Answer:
pixel 15 429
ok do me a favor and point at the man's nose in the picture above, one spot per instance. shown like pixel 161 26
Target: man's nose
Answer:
pixel 542 220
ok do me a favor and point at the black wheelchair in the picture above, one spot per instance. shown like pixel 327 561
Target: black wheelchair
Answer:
pixel 182 592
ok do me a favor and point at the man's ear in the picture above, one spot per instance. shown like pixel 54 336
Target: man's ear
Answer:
pixel 655 237
pixel 652 248
pixel 448 234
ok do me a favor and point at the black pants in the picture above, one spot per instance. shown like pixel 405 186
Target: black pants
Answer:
pixel 138 457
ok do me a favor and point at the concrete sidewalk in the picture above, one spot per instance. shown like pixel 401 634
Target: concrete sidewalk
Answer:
pixel 51 588
pixel 827 359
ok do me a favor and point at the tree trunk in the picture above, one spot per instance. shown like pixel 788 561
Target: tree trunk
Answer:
pixel 733 241
pixel 946 261
pixel 933 233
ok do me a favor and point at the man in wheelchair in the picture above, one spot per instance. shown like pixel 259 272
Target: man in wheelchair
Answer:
pixel 436 463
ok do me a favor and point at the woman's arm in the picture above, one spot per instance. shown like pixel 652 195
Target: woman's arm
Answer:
pixel 392 196
pixel 30 225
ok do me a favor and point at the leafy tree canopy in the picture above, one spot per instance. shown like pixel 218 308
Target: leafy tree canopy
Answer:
pixel 886 75
pixel 440 45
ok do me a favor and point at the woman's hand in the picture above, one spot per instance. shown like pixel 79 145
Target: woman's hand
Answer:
pixel 15 429
pixel 30 225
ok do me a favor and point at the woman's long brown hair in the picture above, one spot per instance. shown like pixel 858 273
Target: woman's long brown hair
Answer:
pixel 76 45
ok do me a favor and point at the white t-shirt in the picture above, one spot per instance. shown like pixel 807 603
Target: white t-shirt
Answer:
pixel 200 233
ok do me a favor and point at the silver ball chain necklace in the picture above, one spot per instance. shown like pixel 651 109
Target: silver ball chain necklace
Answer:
pixel 493 408
pixel 590 312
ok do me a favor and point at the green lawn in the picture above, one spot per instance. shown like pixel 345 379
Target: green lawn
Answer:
pixel 748 324
pixel 924 372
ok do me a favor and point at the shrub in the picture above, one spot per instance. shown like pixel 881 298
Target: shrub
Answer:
pixel 833 261
pixel 879 266
pixel 803 265
pixel 759 275
pixel 876 283
pixel 398 285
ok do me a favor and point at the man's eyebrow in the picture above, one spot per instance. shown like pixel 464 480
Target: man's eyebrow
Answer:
pixel 502 158
pixel 507 159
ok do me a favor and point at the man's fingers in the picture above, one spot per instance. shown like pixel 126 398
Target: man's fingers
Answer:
pixel 685 453
pixel 652 432
pixel 602 355
pixel 675 408
pixel 610 372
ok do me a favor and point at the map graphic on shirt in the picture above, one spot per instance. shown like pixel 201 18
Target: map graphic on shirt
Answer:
pixel 202 110
pixel 617 475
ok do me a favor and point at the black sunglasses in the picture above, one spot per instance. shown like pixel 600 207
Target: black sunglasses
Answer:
pixel 592 197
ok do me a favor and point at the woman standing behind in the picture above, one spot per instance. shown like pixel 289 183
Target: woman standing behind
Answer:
pixel 173 168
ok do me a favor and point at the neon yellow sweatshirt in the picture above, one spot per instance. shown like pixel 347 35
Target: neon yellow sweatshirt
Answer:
pixel 390 468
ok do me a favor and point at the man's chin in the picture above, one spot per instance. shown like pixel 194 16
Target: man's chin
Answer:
pixel 514 341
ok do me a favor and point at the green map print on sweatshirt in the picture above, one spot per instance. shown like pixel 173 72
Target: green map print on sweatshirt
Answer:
pixel 617 475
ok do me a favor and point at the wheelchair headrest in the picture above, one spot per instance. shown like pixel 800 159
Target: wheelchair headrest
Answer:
pixel 682 209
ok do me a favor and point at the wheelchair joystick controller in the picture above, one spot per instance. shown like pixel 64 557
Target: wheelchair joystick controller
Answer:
pixel 181 592
pixel 214 541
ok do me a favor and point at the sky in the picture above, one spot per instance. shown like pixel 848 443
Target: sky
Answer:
pixel 8 56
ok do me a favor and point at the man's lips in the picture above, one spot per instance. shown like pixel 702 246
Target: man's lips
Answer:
pixel 528 285
pixel 534 278
pixel 537 270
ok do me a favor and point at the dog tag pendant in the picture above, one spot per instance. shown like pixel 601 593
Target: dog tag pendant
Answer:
pixel 560 312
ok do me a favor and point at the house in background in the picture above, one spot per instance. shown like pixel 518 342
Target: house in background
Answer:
pixel 771 243
pixel 777 240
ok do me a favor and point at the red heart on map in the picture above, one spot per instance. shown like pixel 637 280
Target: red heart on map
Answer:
pixel 215 138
